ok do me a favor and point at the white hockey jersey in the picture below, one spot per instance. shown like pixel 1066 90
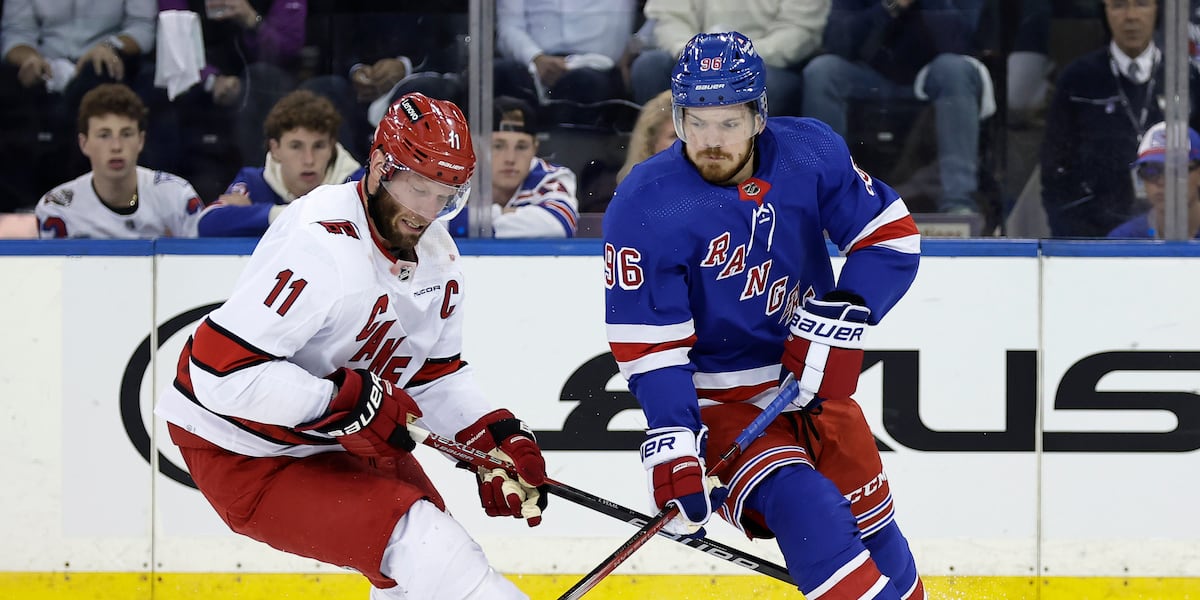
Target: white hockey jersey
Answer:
pixel 321 292
pixel 167 206
pixel 544 205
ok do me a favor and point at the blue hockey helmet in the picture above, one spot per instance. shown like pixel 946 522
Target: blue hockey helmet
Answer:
pixel 718 69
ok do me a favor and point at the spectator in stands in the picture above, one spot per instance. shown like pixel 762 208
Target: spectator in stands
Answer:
pixel 302 153
pixel 906 49
pixel 1029 64
pixel 1151 171
pixel 373 57
pixel 785 33
pixel 530 196
pixel 653 132
pixel 1103 102
pixel 54 52
pixel 117 198
pixel 563 49
pixel 251 52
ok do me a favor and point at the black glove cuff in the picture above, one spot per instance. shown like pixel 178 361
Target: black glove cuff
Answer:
pixel 844 296
pixel 506 428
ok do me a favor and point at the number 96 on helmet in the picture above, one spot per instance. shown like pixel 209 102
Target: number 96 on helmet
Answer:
pixel 718 69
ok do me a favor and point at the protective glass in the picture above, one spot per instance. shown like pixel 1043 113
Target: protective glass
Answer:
pixel 428 198
pixel 712 126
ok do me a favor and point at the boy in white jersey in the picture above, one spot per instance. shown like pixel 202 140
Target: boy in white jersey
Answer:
pixel 291 400
pixel 531 197
pixel 117 198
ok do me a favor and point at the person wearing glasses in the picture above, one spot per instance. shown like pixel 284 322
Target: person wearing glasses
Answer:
pixel 1151 170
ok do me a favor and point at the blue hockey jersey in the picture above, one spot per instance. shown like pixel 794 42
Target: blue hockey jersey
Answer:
pixel 701 279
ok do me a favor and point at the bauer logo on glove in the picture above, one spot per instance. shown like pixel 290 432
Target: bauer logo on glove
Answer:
pixel 370 409
pixel 675 474
pixel 824 348
pixel 826 329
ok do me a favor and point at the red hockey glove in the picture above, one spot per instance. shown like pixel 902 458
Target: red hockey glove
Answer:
pixel 674 463
pixel 824 348
pixel 368 416
pixel 504 436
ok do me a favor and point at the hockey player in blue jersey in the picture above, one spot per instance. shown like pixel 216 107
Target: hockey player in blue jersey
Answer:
pixel 718 280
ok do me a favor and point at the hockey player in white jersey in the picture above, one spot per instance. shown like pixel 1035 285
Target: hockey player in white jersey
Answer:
pixel 291 400
pixel 117 198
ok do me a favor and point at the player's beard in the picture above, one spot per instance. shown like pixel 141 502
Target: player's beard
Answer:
pixel 385 212
pixel 718 172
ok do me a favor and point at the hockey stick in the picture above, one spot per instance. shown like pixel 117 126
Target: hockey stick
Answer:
pixel 712 548
pixel 787 393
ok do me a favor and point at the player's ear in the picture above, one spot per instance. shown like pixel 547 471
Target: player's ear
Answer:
pixel 82 141
pixel 273 148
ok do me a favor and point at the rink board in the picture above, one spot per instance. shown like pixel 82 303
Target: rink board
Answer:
pixel 992 385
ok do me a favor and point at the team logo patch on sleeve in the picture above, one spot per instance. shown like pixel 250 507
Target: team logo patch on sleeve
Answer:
pixel 60 197
pixel 340 227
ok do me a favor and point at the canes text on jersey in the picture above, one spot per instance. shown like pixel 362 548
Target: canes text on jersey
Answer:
pixel 377 347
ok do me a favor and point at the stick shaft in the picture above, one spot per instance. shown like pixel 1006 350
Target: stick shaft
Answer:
pixel 787 393
pixel 607 507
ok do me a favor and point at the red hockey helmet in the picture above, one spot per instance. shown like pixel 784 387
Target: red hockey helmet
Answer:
pixel 430 138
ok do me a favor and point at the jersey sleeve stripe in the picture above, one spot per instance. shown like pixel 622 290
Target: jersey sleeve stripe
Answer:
pixel 642 348
pixel 435 368
pixel 631 361
pixel 894 223
pixel 276 434
pixel 910 244
pixel 220 352
pixel 650 334
pixel 564 213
